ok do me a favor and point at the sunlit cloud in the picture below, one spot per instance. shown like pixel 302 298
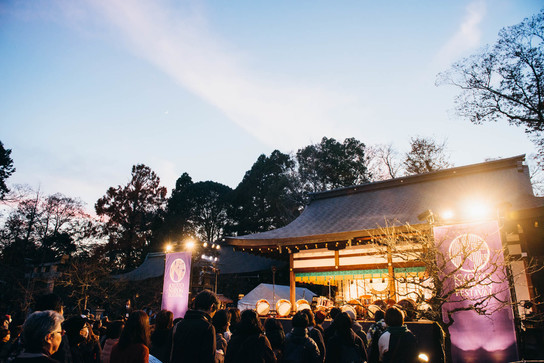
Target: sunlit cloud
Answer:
pixel 468 35
pixel 280 113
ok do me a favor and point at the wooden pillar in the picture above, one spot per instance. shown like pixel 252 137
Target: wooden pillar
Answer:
pixel 391 277
pixel 292 286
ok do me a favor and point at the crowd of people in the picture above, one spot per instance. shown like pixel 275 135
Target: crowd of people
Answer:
pixel 205 334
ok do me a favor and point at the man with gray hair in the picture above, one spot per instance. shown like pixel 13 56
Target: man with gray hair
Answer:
pixel 42 334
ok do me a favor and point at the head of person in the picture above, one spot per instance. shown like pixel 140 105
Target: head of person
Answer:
pixel 49 302
pixel 320 316
pixel 235 316
pixel 114 329
pixel 342 323
pixel 221 320
pixel 42 332
pixel 334 311
pixel 206 301
pixel 394 316
pixel 164 320
pixel 250 323
pixel 300 320
pixel 379 315
pixel 310 315
pixel 136 330
pixel 274 332
pixel 272 324
pixel 76 329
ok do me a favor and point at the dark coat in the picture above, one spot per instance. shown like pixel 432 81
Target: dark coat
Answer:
pixel 161 344
pixel 402 346
pixel 346 349
pixel 300 348
pixel 249 348
pixel 194 339
pixel 317 336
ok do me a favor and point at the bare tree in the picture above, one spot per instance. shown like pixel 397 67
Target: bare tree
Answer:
pixel 505 81
pixel 383 162
pixel 425 155
pixel 442 289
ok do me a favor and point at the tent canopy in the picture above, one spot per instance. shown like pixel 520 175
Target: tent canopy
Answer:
pixel 272 294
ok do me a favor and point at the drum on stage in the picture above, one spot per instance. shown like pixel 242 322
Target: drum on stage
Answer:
pixel 302 305
pixel 371 310
pixel 283 307
pixel 262 307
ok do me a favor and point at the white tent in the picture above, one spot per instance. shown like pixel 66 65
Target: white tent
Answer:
pixel 272 295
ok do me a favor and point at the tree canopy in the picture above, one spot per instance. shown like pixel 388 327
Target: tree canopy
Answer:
pixel 505 81
pixel 265 197
pixel 132 213
pixel 425 155
pixel 6 169
pixel 331 164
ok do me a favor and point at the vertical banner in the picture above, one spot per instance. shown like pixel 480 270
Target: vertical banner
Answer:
pixel 473 269
pixel 175 290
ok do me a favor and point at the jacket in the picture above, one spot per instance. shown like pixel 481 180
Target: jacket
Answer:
pixel 194 339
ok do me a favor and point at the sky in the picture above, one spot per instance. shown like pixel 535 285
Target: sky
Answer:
pixel 89 88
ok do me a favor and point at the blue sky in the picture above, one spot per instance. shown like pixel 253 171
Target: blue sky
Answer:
pixel 90 88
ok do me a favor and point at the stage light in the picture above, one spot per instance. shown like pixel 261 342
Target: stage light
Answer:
pixel 476 209
pixel 447 214
pixel 190 244
pixel 169 247
pixel 423 357
pixel 205 244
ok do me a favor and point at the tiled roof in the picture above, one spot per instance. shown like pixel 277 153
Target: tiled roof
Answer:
pixel 352 212
pixel 229 262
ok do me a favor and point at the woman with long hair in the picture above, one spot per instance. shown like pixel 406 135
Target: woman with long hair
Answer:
pixel 161 338
pixel 134 341
pixel 248 343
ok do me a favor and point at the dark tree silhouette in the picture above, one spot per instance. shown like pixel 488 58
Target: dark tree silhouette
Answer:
pixel 331 164
pixel 132 213
pixel 6 169
pixel 425 155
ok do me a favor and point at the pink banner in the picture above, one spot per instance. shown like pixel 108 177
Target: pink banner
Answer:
pixel 175 290
pixel 473 261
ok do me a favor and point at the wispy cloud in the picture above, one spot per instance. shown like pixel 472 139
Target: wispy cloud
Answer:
pixel 467 36
pixel 277 112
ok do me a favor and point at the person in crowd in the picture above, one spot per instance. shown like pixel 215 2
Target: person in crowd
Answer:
pixel 54 302
pixel 161 338
pixel 112 337
pixel 299 347
pixel 373 335
pixel 220 321
pixel 397 344
pixel 5 321
pixel 276 336
pixel 194 336
pixel 329 331
pixel 133 345
pixel 84 345
pixel 248 343
pixel 315 334
pixel 42 336
pixel 320 317
pixel 234 321
pixel 345 345
pixel 5 343
pixel 356 327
